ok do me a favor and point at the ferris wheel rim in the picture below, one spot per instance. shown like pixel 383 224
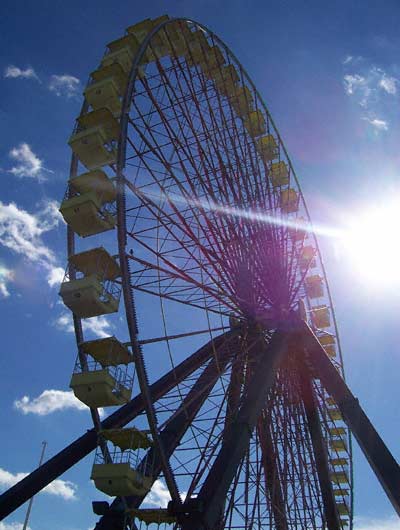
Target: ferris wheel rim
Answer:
pixel 123 137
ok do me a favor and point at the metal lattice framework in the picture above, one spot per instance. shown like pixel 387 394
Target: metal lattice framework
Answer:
pixel 217 256
pixel 201 224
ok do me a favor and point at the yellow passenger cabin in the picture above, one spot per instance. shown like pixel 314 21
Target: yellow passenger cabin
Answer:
pixel 330 351
pixel 326 339
pixel 90 289
pixel 267 148
pixel 120 479
pixel 342 508
pixel 338 444
pixel 226 80
pixel 159 45
pixel 124 57
pixel 320 316
pixel 337 431
pixel 99 388
pixel 314 286
pixel 100 383
pixel 334 414
pixel 242 102
pixel 289 201
pixel 340 492
pixel 84 208
pixel 307 257
pixel 128 438
pixel 214 60
pixel 279 174
pixel 198 49
pixel 127 474
pixel 339 477
pixel 107 88
pixel 94 143
pixel 254 123
pixel 108 351
pixel 339 462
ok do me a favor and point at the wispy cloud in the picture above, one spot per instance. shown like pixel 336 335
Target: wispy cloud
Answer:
pixel 366 523
pixel 355 83
pixel 99 326
pixel 6 277
pixel 372 88
pixel 59 488
pixel 27 163
pixel 13 72
pixel 49 401
pixel 380 125
pixel 388 84
pixel 21 232
pixel 65 85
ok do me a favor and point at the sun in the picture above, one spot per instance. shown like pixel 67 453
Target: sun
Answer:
pixel 371 243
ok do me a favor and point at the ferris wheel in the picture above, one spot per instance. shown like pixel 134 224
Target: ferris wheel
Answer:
pixel 186 218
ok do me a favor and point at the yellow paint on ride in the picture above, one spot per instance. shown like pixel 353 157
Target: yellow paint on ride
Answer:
pixel 289 200
pixel 320 316
pixel 279 174
pixel 108 351
pixel 314 286
pixel 99 388
pixel 120 480
pixel 268 150
pixel 128 438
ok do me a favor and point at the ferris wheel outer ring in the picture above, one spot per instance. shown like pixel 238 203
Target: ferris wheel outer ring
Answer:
pixel 124 264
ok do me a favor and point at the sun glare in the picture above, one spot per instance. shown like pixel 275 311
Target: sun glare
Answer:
pixel 371 242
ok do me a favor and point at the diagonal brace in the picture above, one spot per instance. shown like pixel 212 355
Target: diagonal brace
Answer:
pixel 381 460
pixel 17 495
pixel 212 495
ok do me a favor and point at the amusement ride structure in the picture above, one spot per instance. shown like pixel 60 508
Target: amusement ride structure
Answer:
pixel 185 217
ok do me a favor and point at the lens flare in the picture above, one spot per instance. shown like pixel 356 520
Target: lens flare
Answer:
pixel 371 244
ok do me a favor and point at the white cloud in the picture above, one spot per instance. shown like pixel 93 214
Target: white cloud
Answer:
pixel 158 496
pixel 55 276
pixel 355 82
pixel 388 84
pixel 64 323
pixel 48 402
pixel 21 232
pixel 14 72
pixel 364 523
pixel 65 85
pixel 6 276
pixel 380 125
pixel 12 526
pixel 59 488
pixel 372 88
pixel 27 163
pixel 98 326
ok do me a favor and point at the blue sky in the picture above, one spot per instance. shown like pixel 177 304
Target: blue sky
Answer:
pixel 330 75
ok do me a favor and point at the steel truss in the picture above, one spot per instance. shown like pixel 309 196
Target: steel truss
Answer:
pixel 248 418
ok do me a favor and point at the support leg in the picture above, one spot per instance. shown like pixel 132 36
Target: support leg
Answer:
pixel 378 455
